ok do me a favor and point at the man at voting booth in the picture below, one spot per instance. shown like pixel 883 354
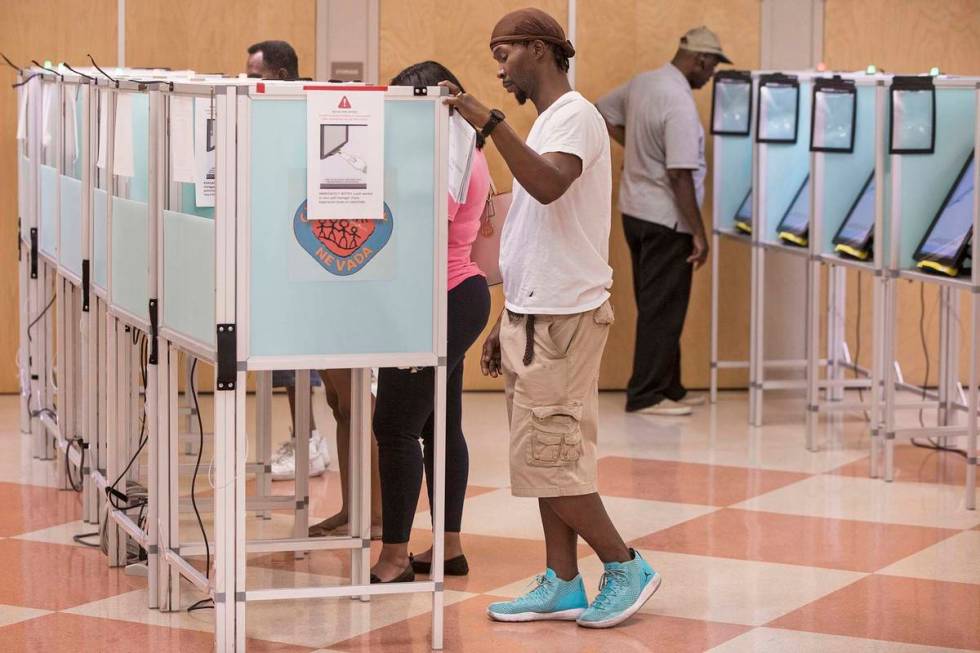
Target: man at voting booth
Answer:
pixel 654 117
pixel 548 342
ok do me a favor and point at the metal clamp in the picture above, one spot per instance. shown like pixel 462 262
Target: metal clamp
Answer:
pixel 227 371
pixel 85 285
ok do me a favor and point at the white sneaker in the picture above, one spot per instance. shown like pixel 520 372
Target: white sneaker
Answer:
pixel 284 459
pixel 319 449
pixel 667 407
pixel 694 400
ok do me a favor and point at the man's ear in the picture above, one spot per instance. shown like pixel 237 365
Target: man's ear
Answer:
pixel 539 49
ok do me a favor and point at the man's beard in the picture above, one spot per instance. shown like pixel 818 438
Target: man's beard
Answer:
pixel 520 95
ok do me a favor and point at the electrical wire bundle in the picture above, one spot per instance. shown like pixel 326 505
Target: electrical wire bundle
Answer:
pixel 933 443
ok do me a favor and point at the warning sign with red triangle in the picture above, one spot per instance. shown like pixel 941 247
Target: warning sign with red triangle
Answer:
pixel 344 103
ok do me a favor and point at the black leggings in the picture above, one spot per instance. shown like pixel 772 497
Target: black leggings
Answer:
pixel 404 412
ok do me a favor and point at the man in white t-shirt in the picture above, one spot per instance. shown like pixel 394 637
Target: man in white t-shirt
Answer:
pixel 548 342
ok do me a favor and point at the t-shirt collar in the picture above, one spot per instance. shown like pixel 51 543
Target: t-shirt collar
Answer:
pixel 676 73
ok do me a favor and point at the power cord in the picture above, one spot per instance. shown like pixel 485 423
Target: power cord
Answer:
pixel 206 603
pixel 933 443
pixel 77 440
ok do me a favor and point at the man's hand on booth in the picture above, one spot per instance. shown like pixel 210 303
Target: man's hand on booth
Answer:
pixel 472 110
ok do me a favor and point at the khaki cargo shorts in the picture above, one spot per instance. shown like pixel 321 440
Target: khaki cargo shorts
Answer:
pixel 552 403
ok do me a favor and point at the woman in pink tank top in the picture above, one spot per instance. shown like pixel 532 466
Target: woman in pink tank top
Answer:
pixel 404 410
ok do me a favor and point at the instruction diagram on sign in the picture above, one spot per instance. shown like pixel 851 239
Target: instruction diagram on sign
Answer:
pixel 345 154
pixel 205 139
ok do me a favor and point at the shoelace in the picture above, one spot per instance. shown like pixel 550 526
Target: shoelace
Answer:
pixel 608 590
pixel 534 586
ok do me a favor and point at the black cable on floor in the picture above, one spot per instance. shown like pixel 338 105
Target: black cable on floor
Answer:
pixel 935 446
pixel 203 604
pixel 79 539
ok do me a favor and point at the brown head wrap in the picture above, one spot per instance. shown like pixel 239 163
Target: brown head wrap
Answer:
pixel 531 25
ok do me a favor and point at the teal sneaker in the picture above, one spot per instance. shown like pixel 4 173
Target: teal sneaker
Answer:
pixel 552 598
pixel 625 587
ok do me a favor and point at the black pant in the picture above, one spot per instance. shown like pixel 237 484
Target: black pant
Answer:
pixel 662 287
pixel 404 413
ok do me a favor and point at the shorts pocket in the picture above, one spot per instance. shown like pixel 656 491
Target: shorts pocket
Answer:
pixel 604 315
pixel 556 435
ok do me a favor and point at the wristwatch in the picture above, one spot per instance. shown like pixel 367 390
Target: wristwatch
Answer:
pixel 496 117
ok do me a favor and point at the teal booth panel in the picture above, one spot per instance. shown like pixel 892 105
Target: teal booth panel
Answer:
pixel 130 268
pixel 787 165
pixel 844 174
pixel 70 246
pixel 925 179
pixel 188 203
pixel 99 258
pixel 187 306
pixel 733 160
pixel 48 237
pixel 298 306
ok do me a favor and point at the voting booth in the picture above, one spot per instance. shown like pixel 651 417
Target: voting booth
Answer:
pixel 932 142
pixel 732 130
pixel 275 288
pixel 168 218
pixel 846 232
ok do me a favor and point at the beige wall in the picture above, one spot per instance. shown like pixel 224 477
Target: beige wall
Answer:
pixel 615 40
pixel 212 36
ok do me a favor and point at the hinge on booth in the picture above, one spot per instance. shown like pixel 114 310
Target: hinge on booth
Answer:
pixel 85 284
pixel 227 372
pixel 154 333
pixel 33 252
pixel 20 244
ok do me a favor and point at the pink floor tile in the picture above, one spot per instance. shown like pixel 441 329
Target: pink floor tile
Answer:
pixel 794 539
pixel 57 576
pixel 69 633
pixel 26 508
pixel 468 630
pixel 662 480
pixel 912 610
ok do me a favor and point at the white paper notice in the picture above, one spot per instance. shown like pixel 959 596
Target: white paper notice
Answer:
pixel 71 125
pixel 122 147
pixel 462 144
pixel 345 154
pixel 182 139
pixel 47 117
pixel 205 134
pixel 103 105
pixel 22 113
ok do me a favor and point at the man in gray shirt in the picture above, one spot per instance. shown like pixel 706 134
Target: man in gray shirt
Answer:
pixel 654 117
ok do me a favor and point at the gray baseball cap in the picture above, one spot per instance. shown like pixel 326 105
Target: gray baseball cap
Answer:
pixel 702 39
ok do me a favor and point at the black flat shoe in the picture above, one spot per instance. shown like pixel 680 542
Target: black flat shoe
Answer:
pixel 453 567
pixel 406 576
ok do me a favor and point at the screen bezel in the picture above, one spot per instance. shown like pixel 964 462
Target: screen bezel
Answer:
pixel 865 243
pixel 804 231
pixel 957 259
pixel 739 218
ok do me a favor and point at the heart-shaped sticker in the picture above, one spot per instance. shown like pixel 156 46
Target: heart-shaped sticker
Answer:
pixel 342 247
